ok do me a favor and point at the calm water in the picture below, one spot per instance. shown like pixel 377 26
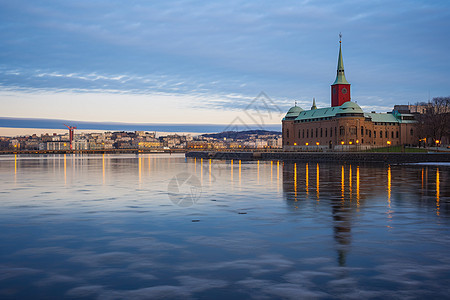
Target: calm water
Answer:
pixel 156 226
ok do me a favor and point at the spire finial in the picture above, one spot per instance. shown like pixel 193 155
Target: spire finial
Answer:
pixel 340 37
pixel 295 103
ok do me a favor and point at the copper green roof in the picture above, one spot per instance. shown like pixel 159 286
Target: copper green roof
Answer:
pixel 328 112
pixel 340 76
pixel 293 112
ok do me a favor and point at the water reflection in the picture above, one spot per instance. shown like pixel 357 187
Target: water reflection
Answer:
pixel 114 231
pixel 437 191
pixel 369 192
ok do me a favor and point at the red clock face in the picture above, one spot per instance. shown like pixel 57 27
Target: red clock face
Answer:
pixel 344 91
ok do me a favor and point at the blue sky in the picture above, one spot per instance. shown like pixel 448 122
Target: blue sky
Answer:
pixel 205 61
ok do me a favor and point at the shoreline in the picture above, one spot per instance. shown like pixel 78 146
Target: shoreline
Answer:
pixel 341 157
pixel 102 151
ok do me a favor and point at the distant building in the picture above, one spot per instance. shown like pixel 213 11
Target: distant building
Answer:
pixel 344 125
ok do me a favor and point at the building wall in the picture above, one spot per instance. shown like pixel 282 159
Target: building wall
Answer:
pixel 347 131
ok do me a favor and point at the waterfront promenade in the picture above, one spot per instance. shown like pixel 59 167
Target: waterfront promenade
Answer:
pixel 369 157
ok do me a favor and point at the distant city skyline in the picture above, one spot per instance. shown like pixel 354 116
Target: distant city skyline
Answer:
pixel 200 62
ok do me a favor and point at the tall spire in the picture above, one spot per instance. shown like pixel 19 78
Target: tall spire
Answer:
pixel 340 76
pixel 314 104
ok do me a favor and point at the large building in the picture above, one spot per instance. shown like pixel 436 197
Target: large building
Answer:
pixel 344 125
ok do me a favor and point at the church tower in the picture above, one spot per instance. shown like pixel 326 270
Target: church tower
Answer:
pixel 340 89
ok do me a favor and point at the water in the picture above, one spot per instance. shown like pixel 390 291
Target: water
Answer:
pixel 160 226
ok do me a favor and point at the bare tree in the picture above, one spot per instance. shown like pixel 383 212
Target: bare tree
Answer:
pixel 434 124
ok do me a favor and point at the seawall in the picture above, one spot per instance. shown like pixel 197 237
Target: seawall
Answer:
pixel 340 157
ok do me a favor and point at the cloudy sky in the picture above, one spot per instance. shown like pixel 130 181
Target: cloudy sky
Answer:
pixel 205 61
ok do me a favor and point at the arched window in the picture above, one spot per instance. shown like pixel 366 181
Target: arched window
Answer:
pixel 287 134
pixel 411 132
pixel 362 130
pixel 353 130
pixel 341 130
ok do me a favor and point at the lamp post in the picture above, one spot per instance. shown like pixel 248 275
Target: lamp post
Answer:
pixel 389 146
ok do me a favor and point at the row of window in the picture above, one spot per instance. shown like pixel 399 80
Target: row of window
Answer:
pixel 352 131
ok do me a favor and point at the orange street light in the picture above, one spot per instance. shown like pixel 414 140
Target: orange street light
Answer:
pixel 389 143
pixel 342 142
pixel 317 143
pixel 295 144
pixel 357 141
pixel 306 144
pixel 350 142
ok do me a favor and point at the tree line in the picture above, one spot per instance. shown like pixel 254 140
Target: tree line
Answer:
pixel 434 124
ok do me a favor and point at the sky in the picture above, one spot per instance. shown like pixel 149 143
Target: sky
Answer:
pixel 215 62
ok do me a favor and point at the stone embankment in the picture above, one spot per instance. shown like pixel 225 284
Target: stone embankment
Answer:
pixel 341 157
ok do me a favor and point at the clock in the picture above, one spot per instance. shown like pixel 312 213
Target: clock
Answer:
pixel 344 91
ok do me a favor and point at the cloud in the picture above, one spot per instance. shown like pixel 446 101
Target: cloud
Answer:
pixel 226 47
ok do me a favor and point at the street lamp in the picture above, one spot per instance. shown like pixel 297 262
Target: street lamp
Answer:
pixel 389 145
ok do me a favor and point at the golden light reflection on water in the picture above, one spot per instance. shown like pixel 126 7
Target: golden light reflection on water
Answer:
pixel 389 178
pixel 210 173
pixel 65 169
pixel 140 169
pixel 195 165
pixel 201 170
pixel 231 171
pixel 350 182
pixel 342 184
pixel 357 186
pixel 103 167
pixel 437 192
pixel 239 172
pixel 278 175
pixel 422 179
pixel 257 173
pixel 307 179
pixel 295 181
pixel 317 182
pixel 389 186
